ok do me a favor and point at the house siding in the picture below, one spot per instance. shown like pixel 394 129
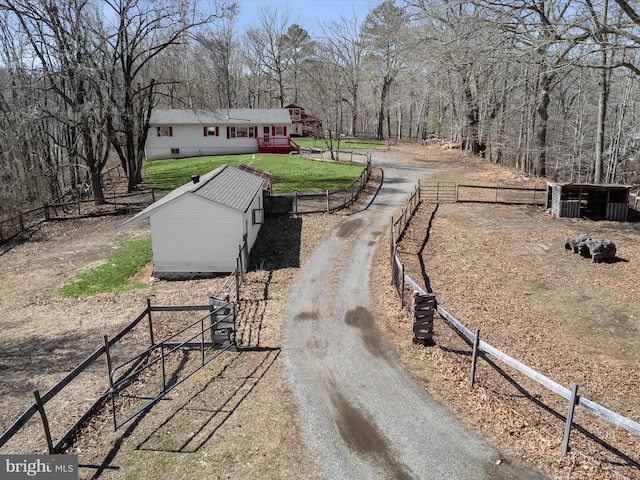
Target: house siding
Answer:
pixel 213 247
pixel 187 132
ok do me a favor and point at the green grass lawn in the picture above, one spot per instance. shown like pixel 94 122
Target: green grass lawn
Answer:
pixel 291 173
pixel 345 144
pixel 113 275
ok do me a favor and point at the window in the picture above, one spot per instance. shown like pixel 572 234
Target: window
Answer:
pixel 175 151
pixel 164 131
pixel 211 131
pixel 295 114
pixel 280 130
pixel 257 216
pixel 241 132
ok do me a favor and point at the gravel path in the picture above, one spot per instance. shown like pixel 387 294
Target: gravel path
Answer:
pixel 364 416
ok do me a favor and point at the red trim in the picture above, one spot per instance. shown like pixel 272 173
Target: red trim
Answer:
pixel 217 131
pixel 158 131
pixel 255 132
pixel 228 132
pixel 273 130
pixel 205 131
pixel 171 131
pixel 284 129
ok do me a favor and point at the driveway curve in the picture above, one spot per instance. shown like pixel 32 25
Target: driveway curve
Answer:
pixel 364 416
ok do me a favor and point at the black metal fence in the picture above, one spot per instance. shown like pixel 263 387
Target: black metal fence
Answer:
pixel 70 403
pixel 171 361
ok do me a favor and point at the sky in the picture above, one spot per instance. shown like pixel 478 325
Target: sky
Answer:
pixel 306 13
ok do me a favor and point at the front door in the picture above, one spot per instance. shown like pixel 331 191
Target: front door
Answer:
pixel 266 131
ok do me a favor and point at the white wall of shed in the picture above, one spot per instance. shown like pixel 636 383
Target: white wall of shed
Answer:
pixel 191 234
pixel 253 229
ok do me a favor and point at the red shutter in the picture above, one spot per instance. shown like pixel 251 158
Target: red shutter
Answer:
pixel 285 131
pixel 228 132
pixel 205 131
pixel 273 130
pixel 158 131
pixel 255 132
pixel 171 131
pixel 217 131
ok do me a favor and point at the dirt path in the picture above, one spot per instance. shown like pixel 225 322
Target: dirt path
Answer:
pixel 363 415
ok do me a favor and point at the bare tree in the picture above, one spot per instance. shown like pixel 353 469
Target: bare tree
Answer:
pixel 384 31
pixel 347 48
pixel 268 42
pixel 61 37
pixel 143 31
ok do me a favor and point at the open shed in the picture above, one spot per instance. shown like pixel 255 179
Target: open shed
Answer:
pixel 573 200
pixel 200 227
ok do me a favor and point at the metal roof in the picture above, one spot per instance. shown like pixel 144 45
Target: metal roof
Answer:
pixel 232 116
pixel 591 185
pixel 228 186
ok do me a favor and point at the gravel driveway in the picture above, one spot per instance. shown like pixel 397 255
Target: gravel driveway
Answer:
pixel 364 416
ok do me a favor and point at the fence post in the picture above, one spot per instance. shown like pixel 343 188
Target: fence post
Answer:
pixel 46 212
pixel 45 422
pixel 456 194
pixel 393 251
pixel 295 202
pixel 21 220
pixel 474 357
pixel 153 342
pixel 402 284
pixel 107 354
pixel 327 200
pixel 237 281
pixel 567 428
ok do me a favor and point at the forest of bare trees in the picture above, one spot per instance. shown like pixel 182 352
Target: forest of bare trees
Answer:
pixel 547 86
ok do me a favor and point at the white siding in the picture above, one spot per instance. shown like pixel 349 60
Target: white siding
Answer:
pixel 252 232
pixel 191 142
pixel 192 234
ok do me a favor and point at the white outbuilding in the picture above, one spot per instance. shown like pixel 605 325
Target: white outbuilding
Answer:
pixel 201 227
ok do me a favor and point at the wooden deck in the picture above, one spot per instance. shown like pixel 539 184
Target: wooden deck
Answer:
pixel 277 145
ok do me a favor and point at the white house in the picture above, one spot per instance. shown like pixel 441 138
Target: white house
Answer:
pixel 200 227
pixel 179 133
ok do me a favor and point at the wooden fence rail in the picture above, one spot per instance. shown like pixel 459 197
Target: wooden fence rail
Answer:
pixel 318 202
pixel 14 226
pixel 629 425
pixel 451 192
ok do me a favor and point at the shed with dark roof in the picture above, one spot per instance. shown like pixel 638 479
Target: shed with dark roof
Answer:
pixel 204 226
